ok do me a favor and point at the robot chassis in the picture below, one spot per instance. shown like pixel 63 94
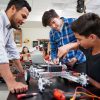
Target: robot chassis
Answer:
pixel 44 73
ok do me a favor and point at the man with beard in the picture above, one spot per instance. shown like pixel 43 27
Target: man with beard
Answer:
pixel 15 14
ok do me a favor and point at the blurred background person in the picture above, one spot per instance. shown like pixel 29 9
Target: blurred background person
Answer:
pixel 46 55
pixel 25 54
pixel 25 58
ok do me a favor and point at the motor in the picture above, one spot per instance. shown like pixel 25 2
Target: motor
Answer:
pixel 61 95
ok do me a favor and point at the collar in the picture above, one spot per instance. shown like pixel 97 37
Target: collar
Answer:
pixel 65 20
pixel 5 19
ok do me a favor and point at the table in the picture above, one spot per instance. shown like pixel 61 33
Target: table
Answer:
pixel 47 95
pixel 58 83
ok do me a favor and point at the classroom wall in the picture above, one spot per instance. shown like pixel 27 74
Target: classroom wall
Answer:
pixel 34 33
pixel 34 30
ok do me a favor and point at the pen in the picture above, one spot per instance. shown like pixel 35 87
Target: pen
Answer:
pixel 20 96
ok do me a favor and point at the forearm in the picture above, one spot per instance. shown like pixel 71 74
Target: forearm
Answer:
pixel 72 46
pixel 94 83
pixel 18 65
pixel 6 73
pixel 63 50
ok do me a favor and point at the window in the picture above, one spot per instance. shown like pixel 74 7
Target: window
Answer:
pixel 43 42
pixel 18 37
pixel 35 43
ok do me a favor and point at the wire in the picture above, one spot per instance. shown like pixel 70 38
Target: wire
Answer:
pixel 94 96
pixel 89 94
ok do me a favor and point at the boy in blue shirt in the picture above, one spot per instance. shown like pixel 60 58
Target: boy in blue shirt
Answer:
pixel 60 35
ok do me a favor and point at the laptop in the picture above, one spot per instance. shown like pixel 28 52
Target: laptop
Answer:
pixel 37 58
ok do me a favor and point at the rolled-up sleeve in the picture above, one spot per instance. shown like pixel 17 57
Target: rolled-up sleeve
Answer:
pixel 80 56
pixel 11 48
pixel 3 53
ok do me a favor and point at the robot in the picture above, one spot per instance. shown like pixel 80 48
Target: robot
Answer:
pixel 44 73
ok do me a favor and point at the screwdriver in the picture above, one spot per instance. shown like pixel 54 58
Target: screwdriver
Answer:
pixel 21 96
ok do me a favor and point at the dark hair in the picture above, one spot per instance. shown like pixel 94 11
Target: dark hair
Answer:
pixel 23 50
pixel 45 50
pixel 47 16
pixel 87 24
pixel 19 4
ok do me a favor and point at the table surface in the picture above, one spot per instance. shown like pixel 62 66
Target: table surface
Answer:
pixel 59 83
pixel 47 95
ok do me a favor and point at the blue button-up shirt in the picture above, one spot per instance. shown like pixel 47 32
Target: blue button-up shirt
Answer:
pixel 7 45
pixel 65 36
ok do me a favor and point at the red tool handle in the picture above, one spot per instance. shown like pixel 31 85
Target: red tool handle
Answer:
pixel 20 96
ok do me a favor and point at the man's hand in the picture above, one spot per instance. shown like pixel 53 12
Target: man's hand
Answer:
pixel 13 86
pixel 17 87
pixel 22 71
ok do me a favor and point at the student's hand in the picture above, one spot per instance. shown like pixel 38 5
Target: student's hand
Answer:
pixel 93 82
pixel 17 87
pixel 62 51
pixel 56 61
pixel 72 61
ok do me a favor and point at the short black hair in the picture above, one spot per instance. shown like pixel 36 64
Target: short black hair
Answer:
pixel 47 16
pixel 87 24
pixel 19 4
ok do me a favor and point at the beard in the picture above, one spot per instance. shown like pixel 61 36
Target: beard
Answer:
pixel 14 24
